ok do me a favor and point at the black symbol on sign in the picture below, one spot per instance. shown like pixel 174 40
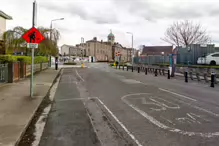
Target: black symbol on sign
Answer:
pixel 32 37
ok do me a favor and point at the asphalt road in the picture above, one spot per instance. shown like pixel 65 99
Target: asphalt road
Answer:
pixel 68 123
pixel 114 107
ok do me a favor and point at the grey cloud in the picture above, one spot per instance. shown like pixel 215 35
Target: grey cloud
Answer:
pixel 179 10
pixel 77 10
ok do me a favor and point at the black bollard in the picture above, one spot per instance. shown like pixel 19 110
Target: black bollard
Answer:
pixel 168 74
pixel 138 69
pixel 146 72
pixel 132 68
pixel 123 67
pixel 56 63
pixel 186 76
pixel 127 68
pixel 116 66
pixel 212 79
pixel 155 72
pixel 119 66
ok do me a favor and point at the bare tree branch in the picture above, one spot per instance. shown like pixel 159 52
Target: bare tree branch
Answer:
pixel 184 33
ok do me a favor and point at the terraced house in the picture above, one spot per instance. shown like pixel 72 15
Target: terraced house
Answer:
pixel 3 18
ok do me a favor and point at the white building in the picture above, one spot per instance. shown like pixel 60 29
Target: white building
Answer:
pixel 3 18
pixel 70 50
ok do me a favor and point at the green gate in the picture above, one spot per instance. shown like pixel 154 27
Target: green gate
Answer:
pixel 3 73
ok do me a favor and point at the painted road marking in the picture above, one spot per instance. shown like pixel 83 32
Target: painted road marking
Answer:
pixel 79 75
pixel 198 108
pixel 177 94
pixel 120 123
pixel 71 99
pixel 163 126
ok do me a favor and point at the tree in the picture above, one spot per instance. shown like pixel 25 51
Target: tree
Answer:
pixel 186 32
pixel 14 41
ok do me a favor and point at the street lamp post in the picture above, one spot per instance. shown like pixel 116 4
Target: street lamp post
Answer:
pixel 82 47
pixel 132 48
pixel 163 56
pixel 51 36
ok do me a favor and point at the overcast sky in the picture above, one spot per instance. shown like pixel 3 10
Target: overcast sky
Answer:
pixel 146 19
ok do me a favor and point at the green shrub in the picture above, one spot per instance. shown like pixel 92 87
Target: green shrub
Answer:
pixel 70 63
pixel 7 59
pixel 183 65
pixel 25 59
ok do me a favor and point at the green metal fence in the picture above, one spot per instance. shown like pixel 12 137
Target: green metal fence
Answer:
pixel 3 73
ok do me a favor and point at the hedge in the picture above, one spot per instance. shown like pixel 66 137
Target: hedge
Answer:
pixel 70 63
pixel 193 66
pixel 26 59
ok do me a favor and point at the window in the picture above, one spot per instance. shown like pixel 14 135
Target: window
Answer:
pixel 215 55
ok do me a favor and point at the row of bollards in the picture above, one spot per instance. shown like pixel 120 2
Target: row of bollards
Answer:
pixel 205 77
pixel 146 70
pixel 155 71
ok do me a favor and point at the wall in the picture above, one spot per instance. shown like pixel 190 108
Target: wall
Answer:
pixel 184 55
pixel 100 50
pixel 152 59
pixel 2 26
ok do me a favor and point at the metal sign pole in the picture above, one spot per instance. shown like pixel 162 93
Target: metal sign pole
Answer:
pixel 32 69
pixel 32 52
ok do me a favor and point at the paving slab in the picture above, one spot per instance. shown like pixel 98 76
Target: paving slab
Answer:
pixel 17 108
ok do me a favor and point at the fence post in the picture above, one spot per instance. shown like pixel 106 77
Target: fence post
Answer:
pixel 206 77
pixel 191 75
pixel 21 69
pixel 198 76
pixel 146 71
pixel 168 74
pixel 138 69
pixel 10 72
pixel 132 68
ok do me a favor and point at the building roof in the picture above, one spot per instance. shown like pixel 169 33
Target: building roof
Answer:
pixel 2 14
pixel 111 34
pixel 67 45
pixel 156 50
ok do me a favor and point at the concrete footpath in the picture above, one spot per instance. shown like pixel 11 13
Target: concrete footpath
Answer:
pixel 17 108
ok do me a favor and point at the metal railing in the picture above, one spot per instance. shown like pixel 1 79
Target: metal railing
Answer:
pixel 3 73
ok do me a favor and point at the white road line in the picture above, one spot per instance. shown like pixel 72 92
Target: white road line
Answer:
pixel 70 99
pixel 163 126
pixel 120 123
pixel 79 75
pixel 177 94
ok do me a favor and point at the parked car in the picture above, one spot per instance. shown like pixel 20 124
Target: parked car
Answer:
pixel 210 59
